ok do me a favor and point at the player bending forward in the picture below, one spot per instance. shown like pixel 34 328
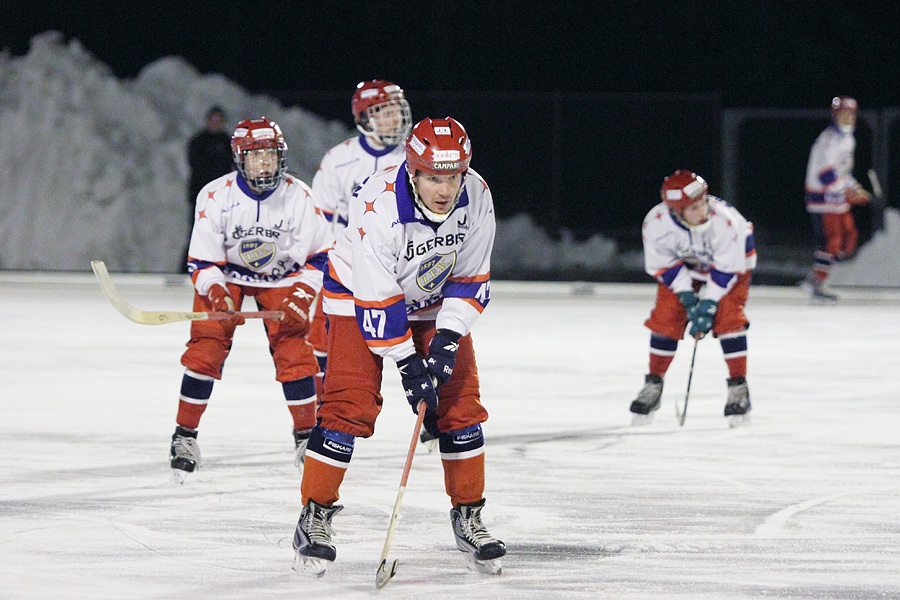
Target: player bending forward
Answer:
pixel 701 251
pixel 406 281
pixel 256 233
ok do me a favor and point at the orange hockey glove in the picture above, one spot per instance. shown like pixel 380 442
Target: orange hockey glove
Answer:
pixel 221 301
pixel 296 304
pixel 858 195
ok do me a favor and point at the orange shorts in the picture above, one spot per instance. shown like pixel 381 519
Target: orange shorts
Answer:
pixel 669 318
pixel 211 341
pixel 352 400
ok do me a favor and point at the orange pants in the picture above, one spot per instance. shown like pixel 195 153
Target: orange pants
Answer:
pixel 211 341
pixel 352 402
pixel 669 318
pixel 317 334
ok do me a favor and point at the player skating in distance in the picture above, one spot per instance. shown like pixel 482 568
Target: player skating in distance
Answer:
pixel 383 118
pixel 701 252
pixel 831 192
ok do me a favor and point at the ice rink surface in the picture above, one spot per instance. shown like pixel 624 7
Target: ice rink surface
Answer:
pixel 804 503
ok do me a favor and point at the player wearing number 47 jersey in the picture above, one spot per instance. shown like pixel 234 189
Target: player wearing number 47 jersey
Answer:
pixel 406 281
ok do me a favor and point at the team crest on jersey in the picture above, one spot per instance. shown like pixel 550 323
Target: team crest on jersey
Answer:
pixel 434 271
pixel 257 254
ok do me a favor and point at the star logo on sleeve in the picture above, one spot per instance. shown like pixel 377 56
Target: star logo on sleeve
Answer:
pixel 370 207
pixel 388 186
pixel 362 232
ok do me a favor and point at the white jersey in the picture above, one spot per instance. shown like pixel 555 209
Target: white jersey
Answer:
pixel 829 172
pixel 270 240
pixel 391 265
pixel 677 256
pixel 342 172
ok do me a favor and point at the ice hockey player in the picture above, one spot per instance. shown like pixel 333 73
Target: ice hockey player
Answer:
pixel 384 120
pixel 406 281
pixel 701 252
pixel 256 233
pixel 831 190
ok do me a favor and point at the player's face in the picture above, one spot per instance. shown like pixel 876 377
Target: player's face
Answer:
pixel 438 192
pixel 261 162
pixel 386 118
pixel 845 118
pixel 696 213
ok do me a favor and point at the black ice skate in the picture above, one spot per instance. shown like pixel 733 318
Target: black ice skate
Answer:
pixel 820 293
pixel 647 400
pixel 737 407
pixel 483 552
pixel 312 539
pixel 301 438
pixel 184 453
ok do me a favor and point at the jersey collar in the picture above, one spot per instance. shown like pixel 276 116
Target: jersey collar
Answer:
pixel 249 192
pixel 376 153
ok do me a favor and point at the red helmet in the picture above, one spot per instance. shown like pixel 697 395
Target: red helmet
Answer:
pixel 256 134
pixel 681 189
pixel 843 103
pixel 439 147
pixel 372 97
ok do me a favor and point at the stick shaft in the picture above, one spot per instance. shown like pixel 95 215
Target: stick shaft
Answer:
pixel 682 414
pixel 406 469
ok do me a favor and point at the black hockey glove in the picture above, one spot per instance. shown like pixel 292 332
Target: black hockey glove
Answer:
pixel 703 315
pixel 417 383
pixel 442 355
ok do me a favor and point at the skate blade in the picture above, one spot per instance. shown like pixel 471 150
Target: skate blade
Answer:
pixel 489 567
pixel 823 301
pixel 178 476
pixel 309 565
pixel 639 420
pixel 383 575
pixel 735 421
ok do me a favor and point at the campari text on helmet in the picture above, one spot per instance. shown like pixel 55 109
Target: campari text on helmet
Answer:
pixel 381 112
pixel 685 194
pixel 438 152
pixel 843 113
pixel 258 149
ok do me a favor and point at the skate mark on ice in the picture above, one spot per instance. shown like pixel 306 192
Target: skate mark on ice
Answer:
pixel 775 523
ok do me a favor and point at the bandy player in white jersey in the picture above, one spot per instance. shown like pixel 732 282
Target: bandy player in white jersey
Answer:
pixel 831 190
pixel 256 233
pixel 701 252
pixel 406 281
pixel 383 118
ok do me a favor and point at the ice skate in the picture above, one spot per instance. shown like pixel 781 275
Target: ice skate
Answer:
pixel 821 294
pixel 737 407
pixel 301 438
pixel 313 551
pixel 483 551
pixel 184 454
pixel 647 400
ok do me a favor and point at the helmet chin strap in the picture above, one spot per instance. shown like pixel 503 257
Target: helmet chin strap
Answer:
pixel 429 214
pixel 698 228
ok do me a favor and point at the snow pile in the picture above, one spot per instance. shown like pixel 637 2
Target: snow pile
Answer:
pixel 95 167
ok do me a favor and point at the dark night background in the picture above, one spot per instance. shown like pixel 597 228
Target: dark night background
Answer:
pixel 576 110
